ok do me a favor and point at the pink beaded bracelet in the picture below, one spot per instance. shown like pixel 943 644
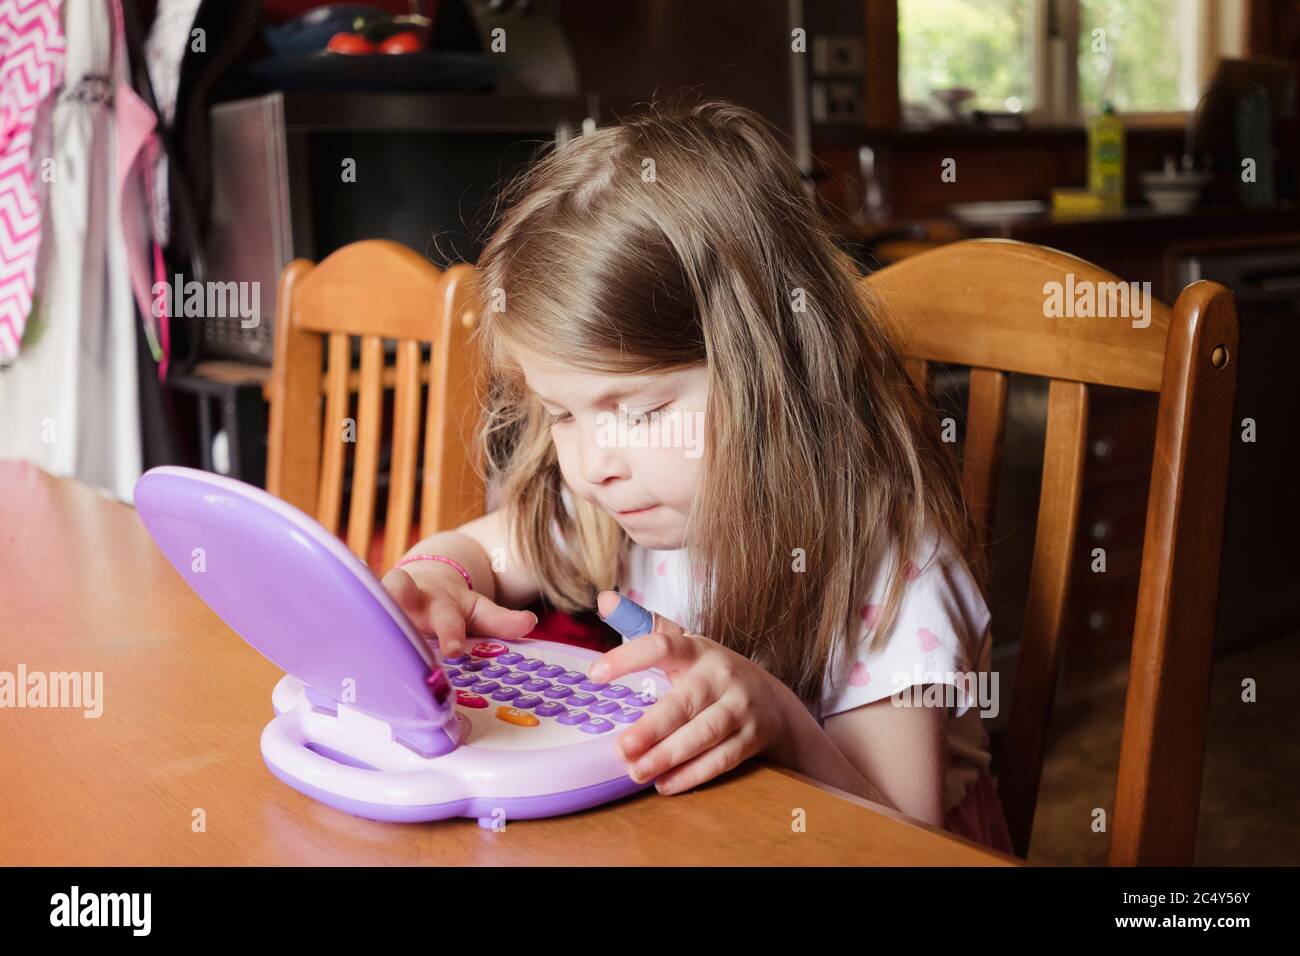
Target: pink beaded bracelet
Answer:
pixel 437 557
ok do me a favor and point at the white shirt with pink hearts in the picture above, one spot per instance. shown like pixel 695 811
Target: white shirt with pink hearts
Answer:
pixel 940 637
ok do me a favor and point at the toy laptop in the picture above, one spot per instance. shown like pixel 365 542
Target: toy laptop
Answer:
pixel 368 718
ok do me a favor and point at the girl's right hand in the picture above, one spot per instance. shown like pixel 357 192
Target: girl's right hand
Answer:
pixel 439 604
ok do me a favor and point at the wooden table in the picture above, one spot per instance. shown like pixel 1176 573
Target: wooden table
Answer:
pixel 83 588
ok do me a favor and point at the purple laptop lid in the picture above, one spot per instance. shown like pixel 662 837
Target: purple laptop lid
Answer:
pixel 300 597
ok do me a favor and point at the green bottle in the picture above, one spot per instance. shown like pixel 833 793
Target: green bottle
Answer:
pixel 1106 158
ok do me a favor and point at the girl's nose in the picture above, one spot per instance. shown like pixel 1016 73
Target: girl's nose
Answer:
pixel 599 461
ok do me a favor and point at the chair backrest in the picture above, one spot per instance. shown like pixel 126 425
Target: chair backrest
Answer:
pixel 1002 307
pixel 375 290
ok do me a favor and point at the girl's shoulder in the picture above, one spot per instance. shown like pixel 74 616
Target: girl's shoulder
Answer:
pixel 939 634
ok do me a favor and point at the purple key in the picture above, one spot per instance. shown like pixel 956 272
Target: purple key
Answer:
pixel 450 672
pixel 526 701
pixel 638 700
pixel 627 715
pixel 485 687
pixel 596 725
pixel 514 679
pixel 510 658
pixel 458 659
pixel 606 707
pixel 572 718
pixel 571 677
pixel 617 691
pixel 536 686
pixel 464 680
pixel 476 665
pixel 505 693
pixel 550 709
pixel 495 670
pixel 592 685
pixel 550 670
pixel 581 700
pixel 557 691
pixel 530 665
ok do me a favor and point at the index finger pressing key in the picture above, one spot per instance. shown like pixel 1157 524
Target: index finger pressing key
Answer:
pixel 651 651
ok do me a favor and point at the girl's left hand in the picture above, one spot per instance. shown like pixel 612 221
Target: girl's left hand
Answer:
pixel 722 709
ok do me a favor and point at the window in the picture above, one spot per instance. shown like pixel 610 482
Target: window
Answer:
pixel 1139 55
pixel 984 45
pixel 1060 60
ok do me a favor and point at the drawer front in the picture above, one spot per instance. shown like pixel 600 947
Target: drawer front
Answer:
pixel 1098 630
pixel 1121 437
pixel 1114 518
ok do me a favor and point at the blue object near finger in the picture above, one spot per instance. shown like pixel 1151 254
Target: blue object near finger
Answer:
pixel 630 619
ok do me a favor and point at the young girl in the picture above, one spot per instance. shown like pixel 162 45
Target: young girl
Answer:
pixel 695 401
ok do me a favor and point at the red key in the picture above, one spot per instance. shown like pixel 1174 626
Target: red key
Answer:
pixel 469 699
pixel 488 649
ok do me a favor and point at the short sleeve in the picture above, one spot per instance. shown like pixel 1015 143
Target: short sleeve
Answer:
pixel 936 637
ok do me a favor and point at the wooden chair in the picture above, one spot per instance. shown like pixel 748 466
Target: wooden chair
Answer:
pixel 981 303
pixel 376 290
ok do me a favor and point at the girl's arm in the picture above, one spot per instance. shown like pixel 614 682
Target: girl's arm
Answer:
pixel 724 708
pixel 805 747
pixel 896 750
pixel 473 545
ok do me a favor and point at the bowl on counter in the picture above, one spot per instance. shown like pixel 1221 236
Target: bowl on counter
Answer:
pixel 1174 190
pixel 954 99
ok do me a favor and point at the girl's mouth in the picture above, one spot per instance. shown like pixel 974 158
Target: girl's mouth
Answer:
pixel 636 511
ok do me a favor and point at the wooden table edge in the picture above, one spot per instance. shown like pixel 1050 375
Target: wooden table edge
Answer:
pixel 892 813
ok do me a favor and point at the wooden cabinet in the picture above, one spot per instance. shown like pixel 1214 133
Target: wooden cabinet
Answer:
pixel 1112 521
pixel 1112 516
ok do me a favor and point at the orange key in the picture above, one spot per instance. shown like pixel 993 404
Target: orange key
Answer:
pixel 513 715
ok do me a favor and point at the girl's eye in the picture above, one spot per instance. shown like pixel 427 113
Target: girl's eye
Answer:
pixel 636 418
pixel 632 418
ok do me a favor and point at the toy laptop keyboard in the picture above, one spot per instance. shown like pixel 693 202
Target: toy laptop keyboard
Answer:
pixel 368 719
pixel 535 688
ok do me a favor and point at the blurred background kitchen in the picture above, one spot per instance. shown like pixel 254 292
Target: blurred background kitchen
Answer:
pixel 1156 138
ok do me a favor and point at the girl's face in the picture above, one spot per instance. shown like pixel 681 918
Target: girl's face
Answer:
pixel 630 444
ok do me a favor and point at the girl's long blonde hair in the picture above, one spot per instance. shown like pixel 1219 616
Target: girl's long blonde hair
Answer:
pixel 680 237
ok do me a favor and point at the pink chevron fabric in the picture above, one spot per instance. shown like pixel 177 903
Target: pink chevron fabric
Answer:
pixel 31 68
